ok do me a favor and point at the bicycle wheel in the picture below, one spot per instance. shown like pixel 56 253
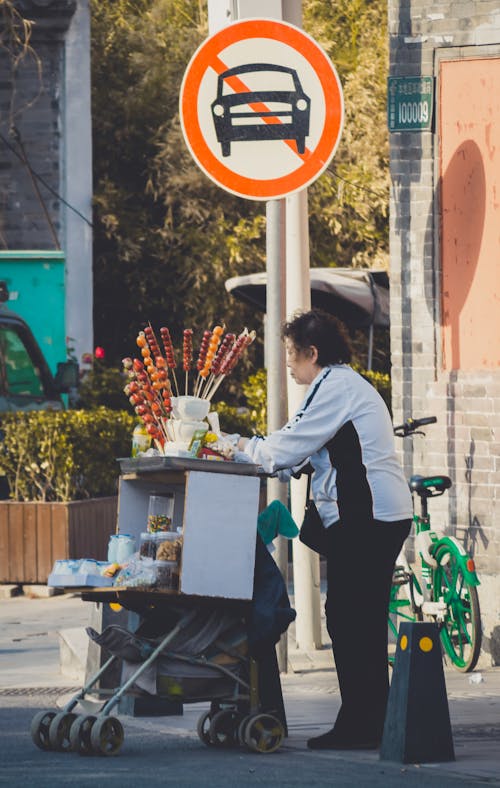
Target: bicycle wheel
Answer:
pixel 461 629
pixel 401 606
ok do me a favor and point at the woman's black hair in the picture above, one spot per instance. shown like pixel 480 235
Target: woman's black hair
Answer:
pixel 322 330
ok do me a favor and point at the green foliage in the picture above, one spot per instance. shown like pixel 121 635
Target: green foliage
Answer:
pixel 255 391
pixel 63 455
pixel 102 385
pixel 349 204
pixel 165 237
pixel 234 419
pixel 250 419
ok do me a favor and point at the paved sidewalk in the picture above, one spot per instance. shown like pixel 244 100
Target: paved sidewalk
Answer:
pixel 30 661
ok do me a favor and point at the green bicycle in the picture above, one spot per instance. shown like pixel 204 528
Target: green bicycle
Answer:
pixel 443 588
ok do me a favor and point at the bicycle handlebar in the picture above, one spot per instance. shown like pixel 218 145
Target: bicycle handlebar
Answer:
pixel 411 426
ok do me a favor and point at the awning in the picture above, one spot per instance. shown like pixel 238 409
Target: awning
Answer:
pixel 358 297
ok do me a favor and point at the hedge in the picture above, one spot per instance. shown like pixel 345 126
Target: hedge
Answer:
pixel 63 455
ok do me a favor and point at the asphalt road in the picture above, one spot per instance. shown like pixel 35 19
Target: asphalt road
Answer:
pixel 156 753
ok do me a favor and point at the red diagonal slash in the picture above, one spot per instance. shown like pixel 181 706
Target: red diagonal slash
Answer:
pixel 239 86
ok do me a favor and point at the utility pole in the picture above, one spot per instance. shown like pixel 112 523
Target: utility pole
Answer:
pixel 287 277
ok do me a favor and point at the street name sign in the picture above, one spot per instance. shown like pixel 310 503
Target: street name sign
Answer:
pixel 410 103
pixel 261 109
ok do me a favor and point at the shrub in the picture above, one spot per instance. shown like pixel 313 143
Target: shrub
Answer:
pixel 63 455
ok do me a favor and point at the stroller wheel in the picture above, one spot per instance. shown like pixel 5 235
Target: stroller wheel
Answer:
pixel 203 727
pixel 106 736
pixel 40 725
pixel 79 734
pixel 223 729
pixel 59 731
pixel 241 730
pixel 264 733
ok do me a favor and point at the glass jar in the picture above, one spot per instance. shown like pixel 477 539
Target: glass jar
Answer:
pixel 167 575
pixel 168 546
pixel 147 547
pixel 160 512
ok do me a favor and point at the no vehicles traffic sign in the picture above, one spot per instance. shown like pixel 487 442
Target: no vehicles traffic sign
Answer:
pixel 261 108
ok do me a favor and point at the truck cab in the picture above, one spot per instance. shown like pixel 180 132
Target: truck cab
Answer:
pixel 26 382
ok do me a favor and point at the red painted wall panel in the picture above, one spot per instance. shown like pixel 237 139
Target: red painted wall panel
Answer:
pixel 469 129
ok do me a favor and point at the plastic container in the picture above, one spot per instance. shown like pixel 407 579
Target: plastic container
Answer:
pixel 167 575
pixel 141 440
pixel 120 547
pixel 160 512
pixel 112 548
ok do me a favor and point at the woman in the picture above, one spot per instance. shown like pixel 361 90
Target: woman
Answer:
pixel 343 429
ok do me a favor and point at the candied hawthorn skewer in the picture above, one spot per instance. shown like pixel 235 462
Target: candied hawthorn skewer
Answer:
pixel 231 359
pixel 225 346
pixel 187 353
pixel 213 345
pixel 201 359
pixel 170 354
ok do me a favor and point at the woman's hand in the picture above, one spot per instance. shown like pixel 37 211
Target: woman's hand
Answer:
pixel 242 442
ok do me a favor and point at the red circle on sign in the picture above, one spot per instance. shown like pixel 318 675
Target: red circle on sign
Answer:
pixel 313 162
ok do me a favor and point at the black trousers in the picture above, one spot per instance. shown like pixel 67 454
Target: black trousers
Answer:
pixel 360 563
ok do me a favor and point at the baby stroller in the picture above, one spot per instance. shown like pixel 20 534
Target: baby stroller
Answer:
pixel 190 654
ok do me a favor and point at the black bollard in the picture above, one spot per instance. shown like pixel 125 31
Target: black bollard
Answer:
pixel 417 724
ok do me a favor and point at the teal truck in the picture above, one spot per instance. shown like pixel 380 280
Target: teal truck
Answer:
pixel 26 382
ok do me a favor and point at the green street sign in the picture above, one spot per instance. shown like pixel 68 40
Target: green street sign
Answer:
pixel 410 103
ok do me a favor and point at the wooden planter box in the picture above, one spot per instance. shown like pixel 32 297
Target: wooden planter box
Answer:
pixel 34 534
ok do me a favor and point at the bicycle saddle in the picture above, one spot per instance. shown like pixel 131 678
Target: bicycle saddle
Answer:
pixel 429 486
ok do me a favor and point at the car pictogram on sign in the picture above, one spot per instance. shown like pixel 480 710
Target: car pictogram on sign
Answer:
pixel 245 110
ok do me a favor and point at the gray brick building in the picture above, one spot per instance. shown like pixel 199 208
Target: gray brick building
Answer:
pixel 445 254
pixel 45 152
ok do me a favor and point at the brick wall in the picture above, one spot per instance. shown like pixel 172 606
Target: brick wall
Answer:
pixel 465 443
pixel 30 119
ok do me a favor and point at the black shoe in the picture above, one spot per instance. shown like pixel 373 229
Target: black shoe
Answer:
pixel 329 741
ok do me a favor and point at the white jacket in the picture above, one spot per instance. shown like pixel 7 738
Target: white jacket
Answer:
pixel 358 476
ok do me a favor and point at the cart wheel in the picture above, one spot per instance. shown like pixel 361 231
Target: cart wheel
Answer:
pixel 224 728
pixel 241 730
pixel 203 727
pixel 59 731
pixel 40 725
pixel 264 733
pixel 79 734
pixel 106 736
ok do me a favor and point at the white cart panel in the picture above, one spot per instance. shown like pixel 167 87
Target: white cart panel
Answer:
pixel 220 527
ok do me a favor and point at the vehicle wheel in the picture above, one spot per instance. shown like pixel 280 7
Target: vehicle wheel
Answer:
pixel 226 148
pixel 402 607
pixel 106 736
pixel 79 734
pixel 223 729
pixel 203 728
pixel 461 629
pixel 59 731
pixel 39 730
pixel 264 733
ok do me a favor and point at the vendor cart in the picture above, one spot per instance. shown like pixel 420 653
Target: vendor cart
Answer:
pixel 212 639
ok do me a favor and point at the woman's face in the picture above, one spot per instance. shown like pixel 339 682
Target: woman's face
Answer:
pixel 302 364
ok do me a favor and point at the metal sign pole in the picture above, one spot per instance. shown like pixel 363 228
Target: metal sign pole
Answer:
pixel 306 574
pixel 276 371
